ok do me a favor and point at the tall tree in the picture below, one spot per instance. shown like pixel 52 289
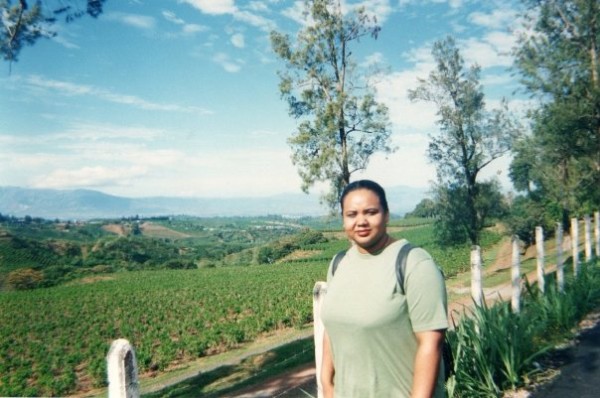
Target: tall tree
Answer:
pixel 557 57
pixel 24 22
pixel 470 137
pixel 340 123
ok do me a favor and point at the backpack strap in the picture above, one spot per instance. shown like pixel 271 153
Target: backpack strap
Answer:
pixel 336 261
pixel 401 265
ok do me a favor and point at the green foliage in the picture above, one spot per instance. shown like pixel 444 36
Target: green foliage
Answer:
pixel 469 139
pixel 453 225
pixel 24 23
pixel 496 349
pixel 558 64
pixel 341 123
pixel 50 338
pixel 64 250
pixel 272 252
pixel 24 278
pixel 425 208
pixel 451 259
pixel 526 214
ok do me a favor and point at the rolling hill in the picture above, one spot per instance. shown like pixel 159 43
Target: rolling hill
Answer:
pixel 89 204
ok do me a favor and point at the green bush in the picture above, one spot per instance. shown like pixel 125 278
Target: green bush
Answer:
pixel 496 349
pixel 24 278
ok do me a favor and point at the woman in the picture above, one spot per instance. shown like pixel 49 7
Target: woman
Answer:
pixel 379 342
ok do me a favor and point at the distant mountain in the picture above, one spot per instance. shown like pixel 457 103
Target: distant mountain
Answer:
pixel 87 204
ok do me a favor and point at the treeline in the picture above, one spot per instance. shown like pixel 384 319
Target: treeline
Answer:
pixel 43 253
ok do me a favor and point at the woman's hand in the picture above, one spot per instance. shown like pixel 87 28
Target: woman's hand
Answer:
pixel 427 362
pixel 327 369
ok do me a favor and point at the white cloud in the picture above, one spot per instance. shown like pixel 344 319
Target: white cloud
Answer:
pixel 498 19
pixel 258 6
pixel 226 63
pixel 238 40
pixel 223 7
pixel 212 7
pixel 405 115
pixel 190 29
pixel 186 29
pixel 373 59
pixel 255 20
pixel 87 177
pixel 135 20
pixel 73 89
pixel 171 17
pixel 486 53
pixel 295 12
pixel 452 3
pixel 381 9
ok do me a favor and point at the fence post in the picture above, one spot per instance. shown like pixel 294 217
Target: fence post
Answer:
pixel 319 292
pixel 476 286
pixel 560 272
pixel 597 232
pixel 575 244
pixel 516 275
pixel 588 238
pixel 539 246
pixel 122 370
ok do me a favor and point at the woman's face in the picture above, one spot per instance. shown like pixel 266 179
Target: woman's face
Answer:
pixel 365 220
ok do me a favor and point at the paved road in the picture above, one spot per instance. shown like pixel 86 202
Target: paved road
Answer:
pixel 580 373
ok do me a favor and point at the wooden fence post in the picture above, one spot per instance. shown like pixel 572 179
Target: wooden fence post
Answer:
pixel 122 370
pixel 575 245
pixel 539 246
pixel 476 285
pixel 597 232
pixel 588 238
pixel 560 272
pixel 516 275
pixel 319 292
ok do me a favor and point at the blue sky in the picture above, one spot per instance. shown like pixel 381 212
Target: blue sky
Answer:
pixel 180 98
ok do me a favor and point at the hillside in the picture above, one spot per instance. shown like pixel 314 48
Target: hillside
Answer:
pixel 88 204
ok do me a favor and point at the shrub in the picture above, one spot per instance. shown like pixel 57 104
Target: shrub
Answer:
pixel 24 278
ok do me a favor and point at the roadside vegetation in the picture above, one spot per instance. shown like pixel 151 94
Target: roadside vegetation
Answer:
pixel 497 350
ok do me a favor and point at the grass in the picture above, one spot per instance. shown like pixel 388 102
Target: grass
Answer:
pixel 250 371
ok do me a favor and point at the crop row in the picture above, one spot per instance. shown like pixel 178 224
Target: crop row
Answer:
pixel 54 341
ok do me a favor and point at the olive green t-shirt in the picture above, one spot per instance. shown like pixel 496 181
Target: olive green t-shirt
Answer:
pixel 367 319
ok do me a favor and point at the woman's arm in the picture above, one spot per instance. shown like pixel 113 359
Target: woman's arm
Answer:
pixel 327 369
pixel 427 362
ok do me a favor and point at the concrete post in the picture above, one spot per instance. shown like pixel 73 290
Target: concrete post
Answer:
pixel 597 232
pixel 476 283
pixel 122 370
pixel 560 271
pixel 539 246
pixel 516 275
pixel 575 244
pixel 588 238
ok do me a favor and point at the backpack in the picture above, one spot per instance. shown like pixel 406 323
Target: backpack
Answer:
pixel 401 259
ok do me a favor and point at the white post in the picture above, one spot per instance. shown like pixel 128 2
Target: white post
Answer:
pixel 319 292
pixel 122 370
pixel 560 272
pixel 597 232
pixel 516 276
pixel 539 246
pixel 575 244
pixel 588 238
pixel 476 286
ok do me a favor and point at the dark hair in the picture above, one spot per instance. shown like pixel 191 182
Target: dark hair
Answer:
pixel 365 184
